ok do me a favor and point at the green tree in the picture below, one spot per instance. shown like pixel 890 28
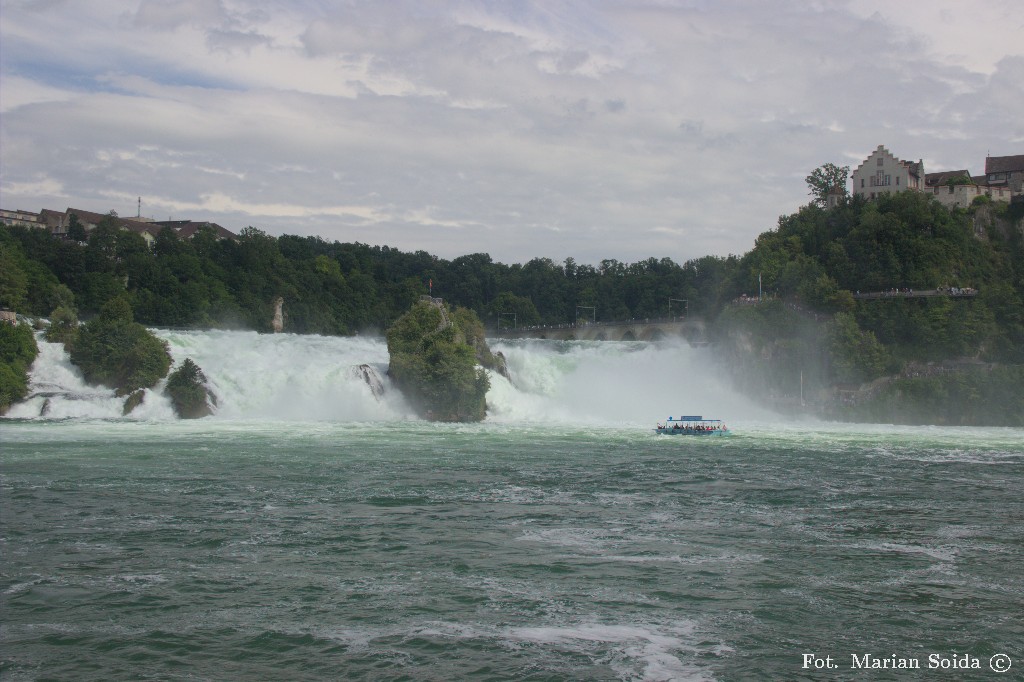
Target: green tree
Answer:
pixel 434 365
pixel 825 295
pixel 828 179
pixel 508 309
pixel 13 280
pixel 115 351
pixel 186 387
pixel 63 326
pixel 855 355
pixel 76 231
pixel 18 350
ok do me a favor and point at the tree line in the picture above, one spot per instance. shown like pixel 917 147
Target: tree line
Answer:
pixel 808 267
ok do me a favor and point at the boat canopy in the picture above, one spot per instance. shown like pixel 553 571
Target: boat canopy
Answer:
pixel 692 418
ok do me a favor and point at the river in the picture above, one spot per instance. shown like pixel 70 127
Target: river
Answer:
pixel 312 531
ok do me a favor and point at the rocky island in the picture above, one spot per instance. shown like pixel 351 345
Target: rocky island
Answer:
pixel 437 360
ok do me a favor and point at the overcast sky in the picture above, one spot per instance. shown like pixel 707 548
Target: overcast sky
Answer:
pixel 593 129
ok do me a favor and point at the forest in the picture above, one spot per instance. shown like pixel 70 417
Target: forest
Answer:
pixel 808 267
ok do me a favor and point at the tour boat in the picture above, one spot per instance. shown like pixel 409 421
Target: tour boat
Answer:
pixel 692 426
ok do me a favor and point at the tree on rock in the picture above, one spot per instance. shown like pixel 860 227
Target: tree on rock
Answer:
pixel 434 363
pixel 116 351
pixel 189 394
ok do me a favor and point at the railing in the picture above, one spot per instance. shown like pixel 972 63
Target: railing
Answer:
pixel 610 323
pixel 956 292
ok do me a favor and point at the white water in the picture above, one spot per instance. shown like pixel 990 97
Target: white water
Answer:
pixel 287 377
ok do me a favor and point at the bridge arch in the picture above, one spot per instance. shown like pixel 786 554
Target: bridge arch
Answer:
pixel 628 335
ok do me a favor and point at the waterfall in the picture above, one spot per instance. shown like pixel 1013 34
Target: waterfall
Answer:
pixel 291 377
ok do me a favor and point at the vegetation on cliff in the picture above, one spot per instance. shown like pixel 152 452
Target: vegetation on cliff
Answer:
pixel 813 341
pixel 63 326
pixel 115 351
pixel 434 362
pixel 968 396
pixel 17 351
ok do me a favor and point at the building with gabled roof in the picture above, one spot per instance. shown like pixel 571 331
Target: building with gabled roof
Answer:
pixel 19 217
pixel 186 229
pixel 58 223
pixel 882 173
pixel 1007 171
pixel 943 178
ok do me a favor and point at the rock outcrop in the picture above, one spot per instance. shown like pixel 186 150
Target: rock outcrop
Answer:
pixel 371 378
pixel 118 352
pixel 135 399
pixel 434 362
pixel 278 322
pixel 189 393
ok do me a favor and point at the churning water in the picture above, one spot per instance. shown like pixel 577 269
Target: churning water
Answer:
pixel 312 531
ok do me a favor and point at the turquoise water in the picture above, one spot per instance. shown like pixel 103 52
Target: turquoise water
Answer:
pixel 524 550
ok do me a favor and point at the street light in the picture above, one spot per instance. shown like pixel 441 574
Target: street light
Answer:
pixel 592 309
pixel 686 306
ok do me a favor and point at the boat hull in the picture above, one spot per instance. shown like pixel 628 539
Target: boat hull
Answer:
pixel 688 432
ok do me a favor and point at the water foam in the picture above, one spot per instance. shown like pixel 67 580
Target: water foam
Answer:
pixel 308 378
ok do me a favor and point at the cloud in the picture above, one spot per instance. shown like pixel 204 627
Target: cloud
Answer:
pixel 165 15
pixel 585 129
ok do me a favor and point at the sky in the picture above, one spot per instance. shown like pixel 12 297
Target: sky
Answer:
pixel 598 129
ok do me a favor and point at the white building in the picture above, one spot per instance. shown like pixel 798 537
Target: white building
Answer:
pixel 882 172
pixel 19 217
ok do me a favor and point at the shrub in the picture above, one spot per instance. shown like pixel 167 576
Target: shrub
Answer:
pixel 434 365
pixel 115 351
pixel 186 387
pixel 63 326
pixel 17 351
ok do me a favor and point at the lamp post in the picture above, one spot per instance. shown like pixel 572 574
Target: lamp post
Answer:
pixel 686 306
pixel 592 309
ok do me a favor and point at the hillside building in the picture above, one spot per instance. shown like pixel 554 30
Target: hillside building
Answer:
pixel 19 217
pixel 59 222
pixel 882 172
pixel 1005 171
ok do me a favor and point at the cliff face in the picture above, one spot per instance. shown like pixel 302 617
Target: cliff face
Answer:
pixel 433 361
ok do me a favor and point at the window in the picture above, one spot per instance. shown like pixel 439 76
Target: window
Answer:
pixel 862 182
pixel 880 160
pixel 897 181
